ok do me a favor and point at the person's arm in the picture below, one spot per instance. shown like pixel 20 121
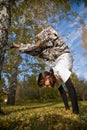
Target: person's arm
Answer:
pixel 33 50
pixel 38 43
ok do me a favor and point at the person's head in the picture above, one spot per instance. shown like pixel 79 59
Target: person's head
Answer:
pixel 46 79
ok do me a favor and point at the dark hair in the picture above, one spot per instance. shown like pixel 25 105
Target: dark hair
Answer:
pixel 42 76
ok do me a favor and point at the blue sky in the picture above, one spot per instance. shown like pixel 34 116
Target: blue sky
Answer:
pixel 71 31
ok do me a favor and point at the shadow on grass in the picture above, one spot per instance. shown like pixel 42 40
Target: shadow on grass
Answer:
pixel 56 122
pixel 40 105
pixel 27 107
pixel 46 122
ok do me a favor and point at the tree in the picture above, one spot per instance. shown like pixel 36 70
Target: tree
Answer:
pixel 14 72
pixel 84 38
pixel 5 13
pixel 5 22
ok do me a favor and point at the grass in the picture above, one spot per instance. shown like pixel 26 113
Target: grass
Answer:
pixel 43 116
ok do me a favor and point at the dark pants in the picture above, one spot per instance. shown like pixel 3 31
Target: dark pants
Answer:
pixel 64 96
pixel 72 95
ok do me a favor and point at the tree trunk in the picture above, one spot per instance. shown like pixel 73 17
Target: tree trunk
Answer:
pixel 12 88
pixel 13 83
pixel 5 22
pixel 5 15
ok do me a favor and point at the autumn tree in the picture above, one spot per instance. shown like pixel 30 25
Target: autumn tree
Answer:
pixel 5 22
pixel 84 37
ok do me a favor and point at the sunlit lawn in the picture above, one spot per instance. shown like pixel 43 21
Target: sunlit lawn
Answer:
pixel 43 116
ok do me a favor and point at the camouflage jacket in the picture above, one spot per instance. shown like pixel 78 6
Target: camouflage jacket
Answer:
pixel 56 45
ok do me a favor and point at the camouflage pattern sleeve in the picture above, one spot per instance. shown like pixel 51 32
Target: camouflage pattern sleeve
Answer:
pixel 31 49
pixel 42 36
pixel 47 34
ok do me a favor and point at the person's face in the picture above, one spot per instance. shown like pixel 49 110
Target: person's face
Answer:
pixel 47 81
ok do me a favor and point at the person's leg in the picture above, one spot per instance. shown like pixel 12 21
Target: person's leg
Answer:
pixel 64 97
pixel 73 96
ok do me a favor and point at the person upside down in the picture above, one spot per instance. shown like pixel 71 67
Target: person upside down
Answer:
pixel 56 51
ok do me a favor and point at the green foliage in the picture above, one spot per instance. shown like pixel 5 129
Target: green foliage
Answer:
pixel 49 93
pixel 9 63
pixel 47 116
pixel 2 82
pixel 80 86
pixel 1 93
pixel 35 93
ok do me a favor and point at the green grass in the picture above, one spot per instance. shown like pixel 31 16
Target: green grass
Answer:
pixel 43 116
